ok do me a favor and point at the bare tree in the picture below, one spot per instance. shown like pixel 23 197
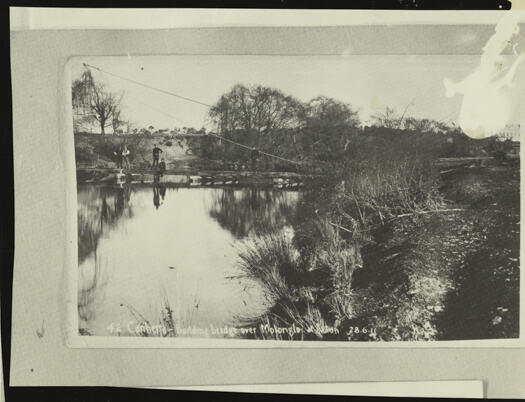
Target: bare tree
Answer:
pixel 422 125
pixel 389 118
pixel 116 122
pixel 82 89
pixel 258 108
pixel 105 106
pixel 326 112
pixel 93 102
pixel 425 125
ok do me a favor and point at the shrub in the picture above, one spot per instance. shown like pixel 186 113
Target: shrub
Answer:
pixel 380 178
pixel 84 152
pixel 500 150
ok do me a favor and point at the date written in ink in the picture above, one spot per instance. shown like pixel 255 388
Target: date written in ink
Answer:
pixel 361 330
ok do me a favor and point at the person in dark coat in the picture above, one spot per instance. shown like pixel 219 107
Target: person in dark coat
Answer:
pixel 162 167
pixel 119 155
pixel 156 155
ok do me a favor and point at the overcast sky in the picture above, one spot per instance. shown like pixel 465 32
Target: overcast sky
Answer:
pixel 367 82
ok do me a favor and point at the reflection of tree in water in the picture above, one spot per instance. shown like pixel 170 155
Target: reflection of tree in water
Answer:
pixel 92 281
pixel 99 209
pixel 253 211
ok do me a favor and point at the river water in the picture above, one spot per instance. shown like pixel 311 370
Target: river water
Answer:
pixel 142 249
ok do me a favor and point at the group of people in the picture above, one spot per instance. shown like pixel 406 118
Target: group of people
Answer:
pixel 122 158
pixel 159 164
pixel 122 154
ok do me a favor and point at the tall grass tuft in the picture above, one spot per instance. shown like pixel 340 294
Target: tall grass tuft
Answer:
pixel 303 290
pixel 274 261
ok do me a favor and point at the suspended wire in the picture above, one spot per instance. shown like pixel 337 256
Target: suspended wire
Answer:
pixel 207 105
pixel 195 101
pixel 251 148
pixel 148 86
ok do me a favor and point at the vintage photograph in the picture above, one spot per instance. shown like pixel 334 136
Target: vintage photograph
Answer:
pixel 317 197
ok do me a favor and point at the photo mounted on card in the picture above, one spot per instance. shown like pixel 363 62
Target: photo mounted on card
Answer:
pixel 368 198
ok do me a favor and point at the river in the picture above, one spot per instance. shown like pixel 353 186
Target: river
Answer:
pixel 145 248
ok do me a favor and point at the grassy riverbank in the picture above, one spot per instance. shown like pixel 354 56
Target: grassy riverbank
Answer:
pixel 209 153
pixel 437 261
pixel 451 275
pixel 387 244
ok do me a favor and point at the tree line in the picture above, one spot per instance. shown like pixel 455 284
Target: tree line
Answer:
pixel 322 128
pixel 257 116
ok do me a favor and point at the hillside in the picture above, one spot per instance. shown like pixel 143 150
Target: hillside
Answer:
pixel 95 150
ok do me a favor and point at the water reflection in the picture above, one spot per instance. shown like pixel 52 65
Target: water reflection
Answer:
pixel 99 209
pixel 91 292
pixel 174 259
pixel 156 196
pixel 251 211
pixel 159 191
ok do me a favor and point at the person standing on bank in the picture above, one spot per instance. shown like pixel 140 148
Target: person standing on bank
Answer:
pixel 162 167
pixel 125 154
pixel 156 154
pixel 118 154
